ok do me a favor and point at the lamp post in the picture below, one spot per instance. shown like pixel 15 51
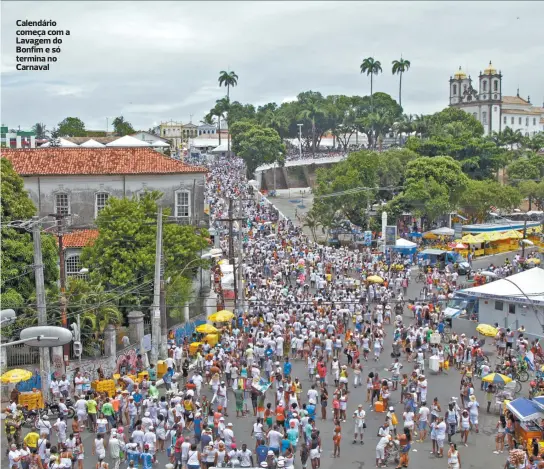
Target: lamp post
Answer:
pixel 300 140
pixel 493 275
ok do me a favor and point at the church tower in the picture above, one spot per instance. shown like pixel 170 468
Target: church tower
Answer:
pixel 490 99
pixel 459 84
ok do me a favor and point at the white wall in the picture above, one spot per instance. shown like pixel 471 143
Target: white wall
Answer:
pixel 82 190
pixel 530 127
pixel 524 315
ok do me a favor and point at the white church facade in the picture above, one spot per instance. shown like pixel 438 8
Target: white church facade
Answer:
pixel 495 111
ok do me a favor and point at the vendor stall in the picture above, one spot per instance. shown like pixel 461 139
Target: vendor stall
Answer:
pixel 404 246
pixel 528 415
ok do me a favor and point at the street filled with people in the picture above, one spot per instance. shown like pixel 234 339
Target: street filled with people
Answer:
pixel 330 354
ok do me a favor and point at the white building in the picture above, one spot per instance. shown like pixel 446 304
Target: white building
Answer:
pixel 77 182
pixel 503 302
pixel 491 107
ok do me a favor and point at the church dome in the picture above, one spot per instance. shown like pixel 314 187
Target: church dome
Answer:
pixel 460 75
pixel 490 70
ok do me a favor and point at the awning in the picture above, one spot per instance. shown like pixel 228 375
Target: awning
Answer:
pixel 539 401
pixel 432 252
pixel 525 410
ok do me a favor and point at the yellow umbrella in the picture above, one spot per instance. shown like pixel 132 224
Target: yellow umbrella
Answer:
pixel 15 376
pixel 470 239
pixel 487 330
pixel 211 339
pixel 223 261
pixel 375 279
pixel 496 378
pixel 429 235
pixel 221 316
pixel 511 234
pixel 533 260
pixel 206 329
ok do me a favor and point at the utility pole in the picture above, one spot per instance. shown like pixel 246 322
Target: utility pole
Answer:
pixel 300 140
pixel 45 362
pixel 156 308
pixel 241 289
pixel 163 350
pixel 524 237
pixel 232 261
pixel 62 264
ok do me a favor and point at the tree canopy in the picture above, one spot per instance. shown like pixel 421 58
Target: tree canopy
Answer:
pixel 123 255
pixel 121 127
pixel 71 127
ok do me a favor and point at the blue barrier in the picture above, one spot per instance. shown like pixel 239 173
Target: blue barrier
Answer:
pixel 29 384
pixel 186 330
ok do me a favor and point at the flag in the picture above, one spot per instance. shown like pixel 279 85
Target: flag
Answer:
pixel 530 359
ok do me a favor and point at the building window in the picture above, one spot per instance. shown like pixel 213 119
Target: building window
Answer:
pixel 511 308
pixel 454 89
pixel 504 120
pixel 512 120
pixel 475 115
pixel 183 204
pixel 495 85
pixel 526 121
pixel 534 120
pixel 101 201
pixel 519 120
pixel 484 118
pixel 484 85
pixel 73 265
pixel 499 305
pixel 62 204
pixel 465 87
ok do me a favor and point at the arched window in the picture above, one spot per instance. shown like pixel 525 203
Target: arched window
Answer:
pixel 484 85
pixel 496 85
pixel 454 89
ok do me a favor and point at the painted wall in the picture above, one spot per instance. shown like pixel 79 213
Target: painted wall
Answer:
pixel 491 311
pixel 82 192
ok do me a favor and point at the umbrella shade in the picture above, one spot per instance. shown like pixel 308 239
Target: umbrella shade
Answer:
pixel 206 329
pixel 430 235
pixel 457 245
pixel 221 316
pixel 223 261
pixel 533 260
pixel 443 231
pixel 496 378
pixel 15 376
pixel 487 330
pixel 375 279
pixel 470 239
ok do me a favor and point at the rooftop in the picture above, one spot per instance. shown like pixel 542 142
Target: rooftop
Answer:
pixel 514 100
pixel 87 161
pixel 79 239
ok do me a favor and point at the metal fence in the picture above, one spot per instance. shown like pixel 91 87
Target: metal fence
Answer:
pixel 22 355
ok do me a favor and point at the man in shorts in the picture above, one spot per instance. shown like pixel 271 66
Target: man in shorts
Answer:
pixel 359 418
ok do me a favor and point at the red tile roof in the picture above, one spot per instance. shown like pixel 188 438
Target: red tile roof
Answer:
pixel 83 161
pixel 79 239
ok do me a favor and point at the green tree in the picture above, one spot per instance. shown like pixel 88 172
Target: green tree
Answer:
pixel 54 138
pixel 221 107
pixel 311 221
pixel 121 127
pixel 40 130
pixel 399 67
pixel 179 292
pixel 534 192
pixel 238 129
pixel 313 112
pixel 123 255
pixel 71 127
pixel 480 196
pixel 371 67
pixel 238 111
pixel 259 145
pixel 16 257
pixel 523 169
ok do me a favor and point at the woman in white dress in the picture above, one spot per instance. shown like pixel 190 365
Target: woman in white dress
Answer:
pixel 465 426
pixel 454 460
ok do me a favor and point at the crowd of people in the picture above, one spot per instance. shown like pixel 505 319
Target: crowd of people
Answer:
pixel 329 309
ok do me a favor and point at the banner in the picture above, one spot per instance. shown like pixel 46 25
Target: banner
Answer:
pixel 390 235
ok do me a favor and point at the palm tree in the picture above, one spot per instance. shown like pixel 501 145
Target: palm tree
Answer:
pixel 371 67
pixel 399 67
pixel 221 106
pixel 228 79
pixel 313 109
pixel 276 121
pixel 380 122
pixel 311 221
pixel 40 130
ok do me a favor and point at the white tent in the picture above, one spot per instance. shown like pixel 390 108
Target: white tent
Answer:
pixel 204 142
pixel 158 143
pixel 63 143
pixel 404 243
pixel 128 141
pixel 530 282
pixel 443 231
pixel 221 148
pixel 91 144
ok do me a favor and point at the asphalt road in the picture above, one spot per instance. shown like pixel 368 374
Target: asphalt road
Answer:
pixel 478 453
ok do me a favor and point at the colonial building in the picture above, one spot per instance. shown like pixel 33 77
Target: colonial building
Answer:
pixel 207 129
pixel 77 182
pixel 491 107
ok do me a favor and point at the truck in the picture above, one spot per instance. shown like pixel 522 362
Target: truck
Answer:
pixel 440 258
pixel 461 306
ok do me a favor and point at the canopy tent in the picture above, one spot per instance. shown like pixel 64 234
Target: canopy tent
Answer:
pixel 128 141
pixel 444 231
pixel 205 142
pixel 539 401
pixel 92 144
pixel 404 243
pixel 158 143
pixel 470 239
pixel 529 281
pixel 525 410
pixel 431 252
pixel 221 148
pixel 63 143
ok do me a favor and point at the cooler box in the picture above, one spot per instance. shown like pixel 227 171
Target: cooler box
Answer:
pixel 433 364
pixel 161 368
pixel 436 338
pixel 446 364
pixel 194 347
pixel 142 375
pixel 378 406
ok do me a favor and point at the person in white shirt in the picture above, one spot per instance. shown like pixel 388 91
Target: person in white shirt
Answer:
pixel 150 439
pixel 408 420
pixel 64 386
pixel 14 457
pixel 229 435
pixel 380 450
pixel 359 418
pixel 245 456
pixel 440 431
pixel 55 390
pixel 178 357
pixel 79 384
pixel 423 419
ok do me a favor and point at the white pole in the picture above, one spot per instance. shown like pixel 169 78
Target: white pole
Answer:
pixel 300 140
pixel 156 310
pixel 384 226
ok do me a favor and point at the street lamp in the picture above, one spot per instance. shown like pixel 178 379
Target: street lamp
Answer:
pixel 493 275
pixel 43 336
pixel 7 316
